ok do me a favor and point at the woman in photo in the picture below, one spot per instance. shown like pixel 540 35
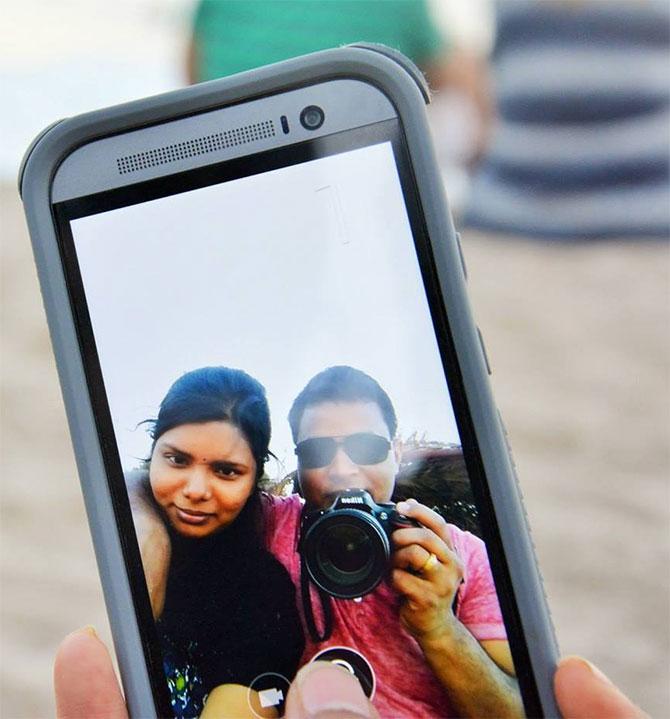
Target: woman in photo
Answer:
pixel 224 607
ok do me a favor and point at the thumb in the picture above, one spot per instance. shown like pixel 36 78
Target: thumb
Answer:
pixel 322 690
pixel 584 692
pixel 84 679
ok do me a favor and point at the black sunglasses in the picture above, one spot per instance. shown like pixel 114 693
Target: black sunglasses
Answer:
pixel 361 448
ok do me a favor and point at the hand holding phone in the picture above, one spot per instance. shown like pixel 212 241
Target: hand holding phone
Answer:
pixel 86 687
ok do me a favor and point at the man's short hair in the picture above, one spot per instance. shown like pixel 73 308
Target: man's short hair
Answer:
pixel 342 384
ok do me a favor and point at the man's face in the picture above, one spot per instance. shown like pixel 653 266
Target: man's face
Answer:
pixel 339 421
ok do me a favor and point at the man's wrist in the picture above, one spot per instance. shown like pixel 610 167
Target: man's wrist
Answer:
pixel 448 633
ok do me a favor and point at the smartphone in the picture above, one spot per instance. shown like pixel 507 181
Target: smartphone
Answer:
pixel 279 401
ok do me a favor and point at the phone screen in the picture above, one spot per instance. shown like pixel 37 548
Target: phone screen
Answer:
pixel 271 370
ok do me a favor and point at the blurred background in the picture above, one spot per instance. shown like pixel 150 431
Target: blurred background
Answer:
pixel 551 127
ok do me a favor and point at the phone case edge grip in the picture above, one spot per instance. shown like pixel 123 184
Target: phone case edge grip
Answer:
pixel 403 83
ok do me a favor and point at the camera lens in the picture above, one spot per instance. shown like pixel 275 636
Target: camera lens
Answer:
pixel 312 117
pixel 346 553
pixel 347 548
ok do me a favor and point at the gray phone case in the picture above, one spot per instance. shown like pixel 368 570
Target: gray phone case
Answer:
pixel 401 81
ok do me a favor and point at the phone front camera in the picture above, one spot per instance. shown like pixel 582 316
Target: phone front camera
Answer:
pixel 312 117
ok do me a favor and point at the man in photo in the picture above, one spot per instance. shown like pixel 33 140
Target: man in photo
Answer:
pixel 432 630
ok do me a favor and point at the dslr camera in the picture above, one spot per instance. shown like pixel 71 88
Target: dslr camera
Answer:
pixel 346 548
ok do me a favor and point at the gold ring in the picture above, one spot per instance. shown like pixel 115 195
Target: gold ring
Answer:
pixel 429 564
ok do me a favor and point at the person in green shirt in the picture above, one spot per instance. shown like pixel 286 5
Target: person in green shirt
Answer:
pixel 231 36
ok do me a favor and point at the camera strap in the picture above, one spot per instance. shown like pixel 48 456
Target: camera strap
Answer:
pixel 326 606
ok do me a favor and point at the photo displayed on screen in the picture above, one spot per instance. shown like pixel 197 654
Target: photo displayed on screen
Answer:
pixel 288 442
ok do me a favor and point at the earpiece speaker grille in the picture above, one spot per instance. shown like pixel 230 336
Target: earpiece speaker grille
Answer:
pixel 198 146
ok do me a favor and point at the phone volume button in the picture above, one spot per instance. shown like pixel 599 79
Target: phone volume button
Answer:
pixel 462 256
pixel 484 353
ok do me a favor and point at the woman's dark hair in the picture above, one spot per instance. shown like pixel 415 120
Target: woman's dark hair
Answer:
pixel 218 394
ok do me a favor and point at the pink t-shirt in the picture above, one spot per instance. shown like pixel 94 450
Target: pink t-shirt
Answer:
pixel 405 684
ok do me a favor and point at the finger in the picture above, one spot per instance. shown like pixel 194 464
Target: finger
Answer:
pixel 584 692
pixel 428 517
pixel 84 679
pixel 443 576
pixel 322 690
pixel 412 558
pixel 425 538
pixel 234 700
pixel 419 592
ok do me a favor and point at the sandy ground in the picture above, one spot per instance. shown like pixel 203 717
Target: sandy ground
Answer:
pixel 579 340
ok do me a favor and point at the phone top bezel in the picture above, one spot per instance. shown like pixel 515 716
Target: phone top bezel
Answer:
pixel 208 138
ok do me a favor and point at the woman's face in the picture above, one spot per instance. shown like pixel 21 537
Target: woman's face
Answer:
pixel 202 476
